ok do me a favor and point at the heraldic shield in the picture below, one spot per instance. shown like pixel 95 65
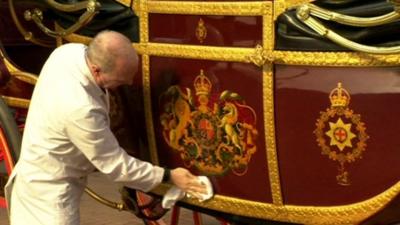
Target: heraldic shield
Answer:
pixel 214 132
pixel 340 133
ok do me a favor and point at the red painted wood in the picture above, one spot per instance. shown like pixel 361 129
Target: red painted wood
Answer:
pixel 307 176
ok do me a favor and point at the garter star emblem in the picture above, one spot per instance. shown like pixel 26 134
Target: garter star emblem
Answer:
pixel 341 133
pixel 215 133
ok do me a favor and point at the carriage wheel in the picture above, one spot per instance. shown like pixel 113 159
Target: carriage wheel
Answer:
pixel 10 143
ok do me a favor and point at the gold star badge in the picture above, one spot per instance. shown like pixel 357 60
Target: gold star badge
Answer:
pixel 340 134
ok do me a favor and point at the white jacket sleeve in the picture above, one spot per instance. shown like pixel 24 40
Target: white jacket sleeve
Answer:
pixel 89 131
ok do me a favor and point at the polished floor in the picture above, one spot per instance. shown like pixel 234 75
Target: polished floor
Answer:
pixel 94 213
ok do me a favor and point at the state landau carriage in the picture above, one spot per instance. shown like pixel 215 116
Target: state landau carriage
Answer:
pixel 288 106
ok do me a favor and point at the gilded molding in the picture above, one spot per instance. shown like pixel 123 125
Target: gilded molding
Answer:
pixel 211 8
pixel 143 25
pixel 321 215
pixel 197 52
pixel 269 126
pixel 268 31
pixel 353 59
pixel 148 110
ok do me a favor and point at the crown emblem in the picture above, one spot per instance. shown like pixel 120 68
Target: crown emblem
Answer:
pixel 202 84
pixel 339 97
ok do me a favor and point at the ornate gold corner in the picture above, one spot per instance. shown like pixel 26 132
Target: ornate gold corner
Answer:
pixel 259 57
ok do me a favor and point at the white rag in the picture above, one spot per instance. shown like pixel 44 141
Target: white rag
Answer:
pixel 175 194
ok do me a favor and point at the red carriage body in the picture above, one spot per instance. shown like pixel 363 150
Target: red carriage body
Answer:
pixel 289 127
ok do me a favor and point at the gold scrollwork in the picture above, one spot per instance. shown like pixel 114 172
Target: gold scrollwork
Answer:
pixel 259 56
pixel 144 25
pixel 36 15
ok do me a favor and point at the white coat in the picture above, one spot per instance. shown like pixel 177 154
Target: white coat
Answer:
pixel 66 137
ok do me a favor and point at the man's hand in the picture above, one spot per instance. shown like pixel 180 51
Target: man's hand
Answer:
pixel 188 182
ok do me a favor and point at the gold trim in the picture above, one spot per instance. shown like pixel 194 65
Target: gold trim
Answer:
pixel 148 110
pixel 198 52
pixel 321 215
pixel 16 102
pixel 210 8
pixel 354 59
pixel 268 108
pixel 143 22
pixel 260 56
pixel 232 54
pixel 269 125
pixel 268 29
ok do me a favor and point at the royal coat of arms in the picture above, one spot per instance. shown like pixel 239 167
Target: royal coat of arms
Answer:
pixel 215 136
pixel 340 133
